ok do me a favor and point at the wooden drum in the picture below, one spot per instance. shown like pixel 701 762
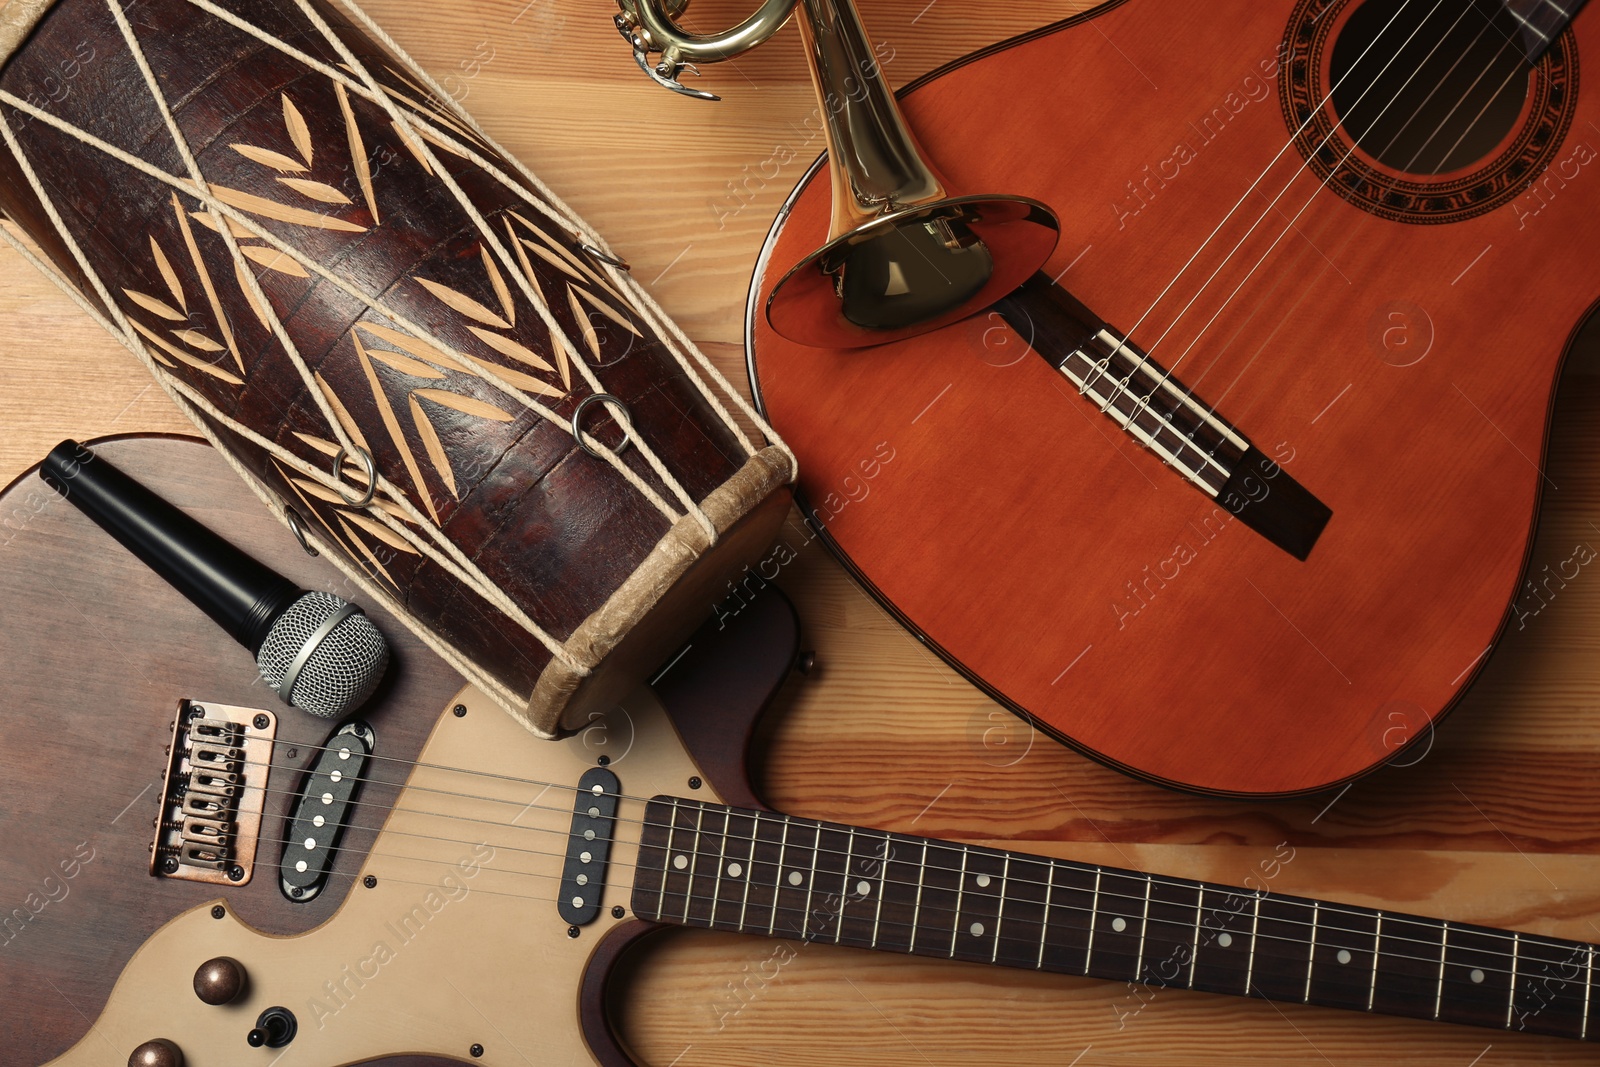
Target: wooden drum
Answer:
pixel 401 340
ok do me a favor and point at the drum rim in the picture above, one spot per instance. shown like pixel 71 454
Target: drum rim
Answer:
pixel 17 20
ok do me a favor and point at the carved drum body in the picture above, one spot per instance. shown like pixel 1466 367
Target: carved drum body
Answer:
pixel 337 274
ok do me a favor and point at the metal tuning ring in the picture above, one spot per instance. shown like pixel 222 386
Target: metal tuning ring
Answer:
pixel 297 526
pixel 595 253
pixel 626 421
pixel 367 465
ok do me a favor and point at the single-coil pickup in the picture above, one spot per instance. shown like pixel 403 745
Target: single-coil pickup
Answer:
pixel 323 810
pixel 594 822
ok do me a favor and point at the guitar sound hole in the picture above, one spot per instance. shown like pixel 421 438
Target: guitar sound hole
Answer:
pixel 1426 87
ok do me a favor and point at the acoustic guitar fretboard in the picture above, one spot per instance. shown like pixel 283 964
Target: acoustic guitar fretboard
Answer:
pixel 724 868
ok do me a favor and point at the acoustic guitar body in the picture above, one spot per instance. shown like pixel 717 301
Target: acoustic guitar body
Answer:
pixel 1386 339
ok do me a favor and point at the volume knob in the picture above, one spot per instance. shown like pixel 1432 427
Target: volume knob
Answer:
pixel 157 1053
pixel 220 981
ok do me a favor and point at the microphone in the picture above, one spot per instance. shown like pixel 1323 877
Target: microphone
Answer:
pixel 318 652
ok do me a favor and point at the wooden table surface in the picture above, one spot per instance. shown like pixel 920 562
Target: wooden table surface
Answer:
pixel 1498 823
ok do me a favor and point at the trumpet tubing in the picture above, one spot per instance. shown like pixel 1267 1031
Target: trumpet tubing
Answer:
pixel 902 255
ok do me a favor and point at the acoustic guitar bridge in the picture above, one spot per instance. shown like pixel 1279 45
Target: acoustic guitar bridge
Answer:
pixel 1156 409
pixel 213 793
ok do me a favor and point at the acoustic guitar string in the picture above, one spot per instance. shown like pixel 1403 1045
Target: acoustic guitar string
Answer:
pixel 1342 244
pixel 1350 238
pixel 566 813
pixel 1290 228
pixel 1135 901
pixel 1160 296
pixel 1301 170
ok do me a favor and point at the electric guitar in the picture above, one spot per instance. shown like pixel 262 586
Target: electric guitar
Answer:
pixel 1241 487
pixel 455 890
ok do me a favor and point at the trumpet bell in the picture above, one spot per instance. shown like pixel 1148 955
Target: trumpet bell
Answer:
pixel 912 271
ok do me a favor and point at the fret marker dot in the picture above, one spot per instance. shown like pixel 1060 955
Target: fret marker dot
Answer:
pixel 1343 956
pixel 1477 975
pixel 983 881
pixel 1225 939
pixel 1119 924
pixel 680 862
pixel 794 878
pixel 734 870
pixel 977 929
pixel 863 889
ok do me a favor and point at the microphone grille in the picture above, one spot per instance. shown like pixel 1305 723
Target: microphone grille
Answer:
pixel 343 668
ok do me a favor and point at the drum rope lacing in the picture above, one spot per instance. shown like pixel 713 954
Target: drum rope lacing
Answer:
pixel 409 126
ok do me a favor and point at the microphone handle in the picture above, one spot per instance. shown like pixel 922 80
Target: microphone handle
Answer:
pixel 244 597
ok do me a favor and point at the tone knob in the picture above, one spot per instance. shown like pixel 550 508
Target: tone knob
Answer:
pixel 157 1053
pixel 220 981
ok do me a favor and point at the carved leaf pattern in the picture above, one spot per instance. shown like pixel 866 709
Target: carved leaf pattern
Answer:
pixel 159 307
pixel 316 190
pixel 431 442
pixel 461 302
pixel 170 276
pixel 272 259
pixel 295 123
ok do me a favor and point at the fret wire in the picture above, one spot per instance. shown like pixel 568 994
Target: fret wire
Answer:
pixel 1094 921
pixel 844 890
pixel 1199 914
pixel 1511 997
pixel 1377 930
pixel 961 886
pixel 1000 915
pixel 702 832
pixel 1255 922
pixel 916 908
pixel 722 865
pixel 811 883
pixel 1044 921
pixel 1377 943
pixel 694 864
pixel 1311 957
pixel 1438 996
pixel 1144 924
pixel 783 855
pixel 750 870
pixel 1588 987
pixel 883 883
pixel 1332 907
pixel 666 858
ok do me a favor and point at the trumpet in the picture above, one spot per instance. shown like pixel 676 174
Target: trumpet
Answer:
pixel 903 256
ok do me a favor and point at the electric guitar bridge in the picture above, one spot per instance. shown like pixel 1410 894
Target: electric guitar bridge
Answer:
pixel 213 793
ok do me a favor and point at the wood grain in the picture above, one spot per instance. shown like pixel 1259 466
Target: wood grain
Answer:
pixel 1496 825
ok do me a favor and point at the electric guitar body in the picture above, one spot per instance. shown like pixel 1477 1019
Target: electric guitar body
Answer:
pixel 1263 545
pixel 488 883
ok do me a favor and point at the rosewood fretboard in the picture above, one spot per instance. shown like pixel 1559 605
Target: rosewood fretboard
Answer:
pixel 757 872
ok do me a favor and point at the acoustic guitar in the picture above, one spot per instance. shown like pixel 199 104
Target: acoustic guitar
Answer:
pixel 1238 493
pixel 471 890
